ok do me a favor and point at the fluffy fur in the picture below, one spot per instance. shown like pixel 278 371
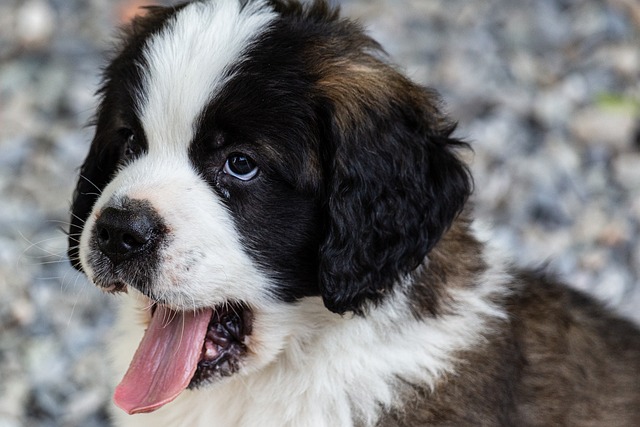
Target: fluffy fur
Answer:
pixel 374 300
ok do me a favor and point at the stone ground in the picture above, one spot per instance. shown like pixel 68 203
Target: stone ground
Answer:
pixel 547 92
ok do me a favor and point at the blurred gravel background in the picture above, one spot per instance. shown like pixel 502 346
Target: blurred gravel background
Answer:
pixel 548 92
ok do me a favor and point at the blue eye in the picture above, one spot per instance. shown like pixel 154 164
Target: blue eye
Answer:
pixel 240 166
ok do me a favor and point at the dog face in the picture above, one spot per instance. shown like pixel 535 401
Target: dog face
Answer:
pixel 256 153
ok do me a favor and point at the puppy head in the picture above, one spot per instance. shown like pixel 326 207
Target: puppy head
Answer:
pixel 357 176
pixel 253 153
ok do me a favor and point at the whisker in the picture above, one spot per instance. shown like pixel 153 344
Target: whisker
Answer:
pixel 193 303
pixel 75 303
pixel 64 280
pixel 172 316
pixel 43 256
pixel 46 253
pixel 82 220
pixel 75 239
pixel 57 221
pixel 75 258
pixel 181 331
pixel 58 261
pixel 44 278
pixel 91 194
pixel 239 315
pixel 92 183
pixel 150 305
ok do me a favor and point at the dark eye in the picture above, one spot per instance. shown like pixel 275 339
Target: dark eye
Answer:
pixel 240 166
pixel 131 147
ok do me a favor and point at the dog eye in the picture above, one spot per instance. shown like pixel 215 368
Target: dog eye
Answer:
pixel 240 166
pixel 131 148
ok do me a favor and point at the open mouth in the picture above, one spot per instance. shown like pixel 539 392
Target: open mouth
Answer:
pixel 182 350
pixel 225 343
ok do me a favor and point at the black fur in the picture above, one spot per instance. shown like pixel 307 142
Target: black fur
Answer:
pixel 356 208
pixel 394 188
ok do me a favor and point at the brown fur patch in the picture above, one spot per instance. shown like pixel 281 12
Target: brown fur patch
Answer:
pixel 582 364
pixel 455 262
pixel 560 360
pixel 362 84
pixel 353 72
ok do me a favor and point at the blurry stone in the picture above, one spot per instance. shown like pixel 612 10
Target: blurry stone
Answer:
pixel 630 8
pixel 634 212
pixel 615 233
pixel 23 312
pixel 524 66
pixel 13 401
pixel 35 23
pixel 594 260
pixel 626 168
pixel 613 127
pixel 52 85
pixel 589 224
pixel 82 405
pixel 612 285
pixel 575 88
pixel 551 107
pixel 624 59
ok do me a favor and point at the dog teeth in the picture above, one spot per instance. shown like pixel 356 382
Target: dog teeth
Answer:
pixel 211 351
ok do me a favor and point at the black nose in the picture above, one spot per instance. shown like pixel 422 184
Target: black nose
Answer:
pixel 124 233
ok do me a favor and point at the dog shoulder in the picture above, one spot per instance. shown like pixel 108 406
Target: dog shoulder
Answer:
pixel 583 361
pixel 559 358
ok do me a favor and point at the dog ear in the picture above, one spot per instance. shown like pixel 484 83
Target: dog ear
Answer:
pixel 97 170
pixel 395 184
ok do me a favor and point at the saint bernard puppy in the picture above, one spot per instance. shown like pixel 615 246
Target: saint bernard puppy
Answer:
pixel 283 213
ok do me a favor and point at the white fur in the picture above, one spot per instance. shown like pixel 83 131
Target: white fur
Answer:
pixel 320 369
pixel 204 263
pixel 188 62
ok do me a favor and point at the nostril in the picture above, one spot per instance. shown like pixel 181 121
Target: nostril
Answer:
pixel 103 234
pixel 122 233
pixel 134 240
pixel 130 241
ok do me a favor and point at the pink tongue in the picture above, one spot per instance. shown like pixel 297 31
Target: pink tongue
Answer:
pixel 165 361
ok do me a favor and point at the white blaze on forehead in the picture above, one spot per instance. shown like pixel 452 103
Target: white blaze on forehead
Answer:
pixel 202 261
pixel 187 63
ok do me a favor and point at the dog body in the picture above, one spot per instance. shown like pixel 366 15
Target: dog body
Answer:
pixel 286 213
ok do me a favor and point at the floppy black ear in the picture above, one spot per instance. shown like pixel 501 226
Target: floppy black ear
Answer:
pixel 98 169
pixel 395 185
